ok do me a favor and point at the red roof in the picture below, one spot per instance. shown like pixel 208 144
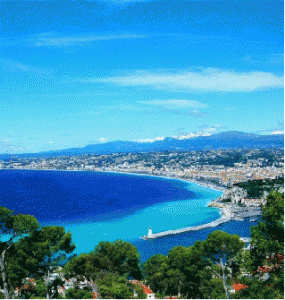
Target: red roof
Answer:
pixel 146 289
pixel 239 286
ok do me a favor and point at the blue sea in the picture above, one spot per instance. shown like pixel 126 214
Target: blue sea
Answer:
pixel 99 206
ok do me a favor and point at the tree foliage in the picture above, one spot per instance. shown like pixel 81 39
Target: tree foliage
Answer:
pixel 255 188
pixel 12 227
pixel 118 257
pixel 155 272
pixel 267 238
pixel 188 272
pixel 114 286
pixel 45 250
pixel 267 252
pixel 221 247
pixel 73 293
pixel 108 267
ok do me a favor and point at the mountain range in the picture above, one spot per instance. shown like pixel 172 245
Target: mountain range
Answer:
pixel 224 140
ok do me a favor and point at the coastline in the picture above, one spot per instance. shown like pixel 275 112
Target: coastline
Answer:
pixel 198 182
pixel 203 183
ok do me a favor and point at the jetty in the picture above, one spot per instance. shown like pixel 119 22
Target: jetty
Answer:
pixel 215 223
pixel 229 211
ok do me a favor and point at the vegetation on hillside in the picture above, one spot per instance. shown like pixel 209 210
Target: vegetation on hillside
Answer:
pixel 256 188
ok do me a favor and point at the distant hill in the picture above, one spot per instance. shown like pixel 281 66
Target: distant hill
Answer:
pixel 224 140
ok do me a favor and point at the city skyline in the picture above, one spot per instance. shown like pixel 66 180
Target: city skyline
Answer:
pixel 96 71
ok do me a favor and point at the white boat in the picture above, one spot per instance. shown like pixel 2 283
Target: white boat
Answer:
pixel 252 219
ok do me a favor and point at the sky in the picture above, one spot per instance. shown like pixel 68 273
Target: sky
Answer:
pixel 75 73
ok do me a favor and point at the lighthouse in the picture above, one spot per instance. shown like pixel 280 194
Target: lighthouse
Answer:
pixel 149 235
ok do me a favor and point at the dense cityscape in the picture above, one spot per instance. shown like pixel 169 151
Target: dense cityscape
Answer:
pixel 219 167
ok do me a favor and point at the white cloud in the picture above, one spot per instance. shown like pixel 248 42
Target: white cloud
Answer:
pixel 205 130
pixel 209 128
pixel 52 40
pixel 206 80
pixel 178 106
pixel 277 132
pixel 175 103
pixel 103 140
pixel 279 129
pixel 192 135
pixel 160 138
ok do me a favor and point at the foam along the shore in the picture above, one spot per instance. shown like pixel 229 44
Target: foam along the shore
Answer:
pixel 226 217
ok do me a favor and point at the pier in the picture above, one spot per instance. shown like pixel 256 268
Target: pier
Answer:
pixel 215 223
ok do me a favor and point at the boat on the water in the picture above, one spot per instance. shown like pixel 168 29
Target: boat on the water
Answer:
pixel 252 219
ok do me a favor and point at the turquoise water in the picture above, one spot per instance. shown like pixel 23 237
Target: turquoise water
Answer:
pixel 161 217
pixel 98 207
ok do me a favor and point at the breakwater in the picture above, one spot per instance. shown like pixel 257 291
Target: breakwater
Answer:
pixel 215 223
pixel 230 212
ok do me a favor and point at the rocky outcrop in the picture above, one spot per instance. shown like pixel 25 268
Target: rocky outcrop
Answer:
pixel 234 194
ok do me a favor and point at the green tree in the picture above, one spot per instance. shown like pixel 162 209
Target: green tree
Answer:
pixel 259 289
pixel 187 269
pixel 12 227
pixel 139 291
pixel 221 247
pixel 121 257
pixel 177 258
pixel 73 293
pixel 114 286
pixel 155 272
pixel 83 265
pixel 198 271
pixel 76 266
pixel 212 289
pixel 45 250
pixel 267 250
pixel 267 238
pixel 15 267
pixel 184 271
pixel 37 291
pixel 115 257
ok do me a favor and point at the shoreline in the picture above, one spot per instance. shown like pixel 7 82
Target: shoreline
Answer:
pixel 203 183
